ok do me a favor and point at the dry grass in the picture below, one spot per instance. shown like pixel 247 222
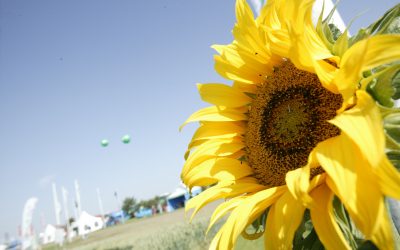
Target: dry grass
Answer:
pixel 166 231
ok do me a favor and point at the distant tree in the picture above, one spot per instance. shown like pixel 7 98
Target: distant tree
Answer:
pixel 129 205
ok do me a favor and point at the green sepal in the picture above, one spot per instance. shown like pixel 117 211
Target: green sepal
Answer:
pixel 389 23
pixel 387 115
pixel 391 125
pixel 394 214
pixel 305 237
pixel 394 157
pixel 259 223
pixel 396 86
pixel 328 32
pixel 367 245
pixel 350 232
pixel 384 84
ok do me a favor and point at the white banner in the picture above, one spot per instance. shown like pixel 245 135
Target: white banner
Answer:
pixel 28 237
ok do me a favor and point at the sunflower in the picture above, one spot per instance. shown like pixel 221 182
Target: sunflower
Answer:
pixel 296 131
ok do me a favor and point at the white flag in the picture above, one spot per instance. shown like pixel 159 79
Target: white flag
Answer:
pixel 27 234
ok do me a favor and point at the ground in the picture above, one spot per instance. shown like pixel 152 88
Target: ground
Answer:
pixel 164 231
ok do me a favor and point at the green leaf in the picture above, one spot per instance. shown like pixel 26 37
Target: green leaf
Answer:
pixel 391 124
pixel 387 24
pixel 394 26
pixel 384 86
pixel 336 33
pixel 344 222
pixel 396 86
pixel 312 242
pixel 394 157
pixel 367 245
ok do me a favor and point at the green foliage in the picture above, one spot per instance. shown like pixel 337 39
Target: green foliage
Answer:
pixel 128 205
pixel 327 31
pixel 385 84
pixel 306 237
pixel 151 202
pixel 387 24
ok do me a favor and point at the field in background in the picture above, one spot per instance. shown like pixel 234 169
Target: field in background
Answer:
pixel 164 231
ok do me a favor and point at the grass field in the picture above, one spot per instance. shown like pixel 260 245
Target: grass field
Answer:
pixel 164 231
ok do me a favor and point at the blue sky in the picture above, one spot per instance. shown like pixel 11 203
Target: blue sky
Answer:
pixel 75 72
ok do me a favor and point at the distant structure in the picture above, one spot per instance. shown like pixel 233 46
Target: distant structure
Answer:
pixel 78 204
pixel 66 213
pixel 100 204
pixel 57 206
pixel 28 236
pixel 328 6
pixel 53 234
pixel 87 223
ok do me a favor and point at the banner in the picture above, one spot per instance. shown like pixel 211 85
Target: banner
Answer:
pixel 28 237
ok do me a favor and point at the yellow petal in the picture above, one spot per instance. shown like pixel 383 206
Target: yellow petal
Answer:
pixel 222 95
pixel 216 114
pixel 245 213
pixel 351 178
pixel 237 64
pixel 212 149
pixel 298 181
pixel 283 220
pixel 363 124
pixel 246 31
pixel 196 143
pixel 389 179
pixel 275 14
pixel 245 87
pixel 224 208
pixel 383 236
pixel 224 190
pixel 364 55
pixel 279 41
pixel 217 130
pixel 219 169
pixel 307 47
pixel 326 73
pixel 323 219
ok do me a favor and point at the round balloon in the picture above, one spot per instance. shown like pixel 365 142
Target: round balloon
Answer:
pixel 104 143
pixel 126 139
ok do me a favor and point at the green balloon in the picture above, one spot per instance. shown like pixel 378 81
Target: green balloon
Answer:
pixel 126 139
pixel 104 143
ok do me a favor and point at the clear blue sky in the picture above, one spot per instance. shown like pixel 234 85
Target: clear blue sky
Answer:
pixel 75 72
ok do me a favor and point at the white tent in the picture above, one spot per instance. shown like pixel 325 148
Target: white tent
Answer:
pixel 53 234
pixel 88 223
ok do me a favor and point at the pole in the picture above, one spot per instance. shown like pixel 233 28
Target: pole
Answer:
pixel 66 214
pixel 78 199
pixel 100 204
pixel 57 207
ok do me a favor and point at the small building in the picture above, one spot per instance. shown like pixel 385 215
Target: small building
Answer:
pixel 178 198
pixel 116 217
pixel 143 212
pixel 53 234
pixel 87 223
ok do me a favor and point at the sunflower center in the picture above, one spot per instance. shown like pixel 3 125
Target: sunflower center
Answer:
pixel 287 119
